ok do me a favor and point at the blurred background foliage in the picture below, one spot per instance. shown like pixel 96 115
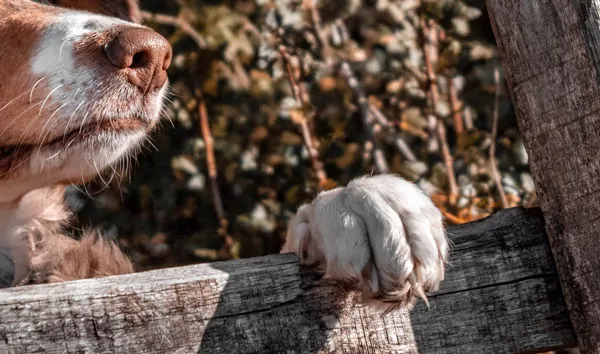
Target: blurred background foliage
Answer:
pixel 301 96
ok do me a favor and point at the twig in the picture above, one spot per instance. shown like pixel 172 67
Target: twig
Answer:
pixel 320 34
pixel 185 27
pixel 372 144
pixel 367 111
pixel 433 144
pixel 391 132
pixel 405 149
pixel 456 107
pixel 430 51
pixel 212 170
pixel 177 22
pixel 468 120
pixel 379 117
pixel 306 135
pixel 430 55
pixel 411 69
pixel 495 118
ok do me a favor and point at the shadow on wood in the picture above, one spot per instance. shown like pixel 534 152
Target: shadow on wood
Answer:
pixel 501 295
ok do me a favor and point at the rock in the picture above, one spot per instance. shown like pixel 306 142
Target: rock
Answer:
pixel 196 183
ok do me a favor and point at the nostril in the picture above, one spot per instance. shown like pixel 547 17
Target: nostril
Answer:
pixel 117 55
pixel 139 60
pixel 167 59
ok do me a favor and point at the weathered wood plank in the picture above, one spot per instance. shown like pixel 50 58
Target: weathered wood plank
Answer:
pixel 550 50
pixel 501 295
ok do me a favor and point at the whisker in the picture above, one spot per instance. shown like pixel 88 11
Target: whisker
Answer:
pixel 62 45
pixel 76 92
pixel 18 165
pixel 13 100
pixel 48 97
pixel 164 113
pixel 83 122
pixel 151 143
pixel 63 149
pixel 33 120
pixel 17 117
pixel 70 142
pixel 33 88
pixel 84 185
pixel 99 174
pixel 72 115
pixel 53 156
pixel 112 175
pixel 96 167
pixel 46 133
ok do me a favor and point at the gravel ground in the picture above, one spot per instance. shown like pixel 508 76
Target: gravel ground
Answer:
pixel 301 96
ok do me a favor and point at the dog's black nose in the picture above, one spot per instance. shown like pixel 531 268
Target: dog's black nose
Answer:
pixel 143 53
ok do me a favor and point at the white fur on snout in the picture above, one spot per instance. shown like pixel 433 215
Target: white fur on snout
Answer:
pixel 54 59
pixel 381 233
pixel 81 90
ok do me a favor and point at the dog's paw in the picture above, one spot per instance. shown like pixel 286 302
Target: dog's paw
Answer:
pixel 380 234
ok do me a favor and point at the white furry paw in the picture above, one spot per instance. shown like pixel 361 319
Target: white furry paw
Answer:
pixel 380 234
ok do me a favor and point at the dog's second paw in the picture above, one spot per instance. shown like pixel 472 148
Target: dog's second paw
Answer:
pixel 379 234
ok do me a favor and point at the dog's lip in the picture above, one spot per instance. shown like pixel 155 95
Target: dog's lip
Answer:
pixel 72 138
pixel 122 125
pixel 10 155
pixel 83 133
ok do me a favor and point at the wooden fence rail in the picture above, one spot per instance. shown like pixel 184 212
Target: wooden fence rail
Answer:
pixel 501 296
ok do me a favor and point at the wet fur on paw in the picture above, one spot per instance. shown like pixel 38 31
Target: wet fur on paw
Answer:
pixel 380 234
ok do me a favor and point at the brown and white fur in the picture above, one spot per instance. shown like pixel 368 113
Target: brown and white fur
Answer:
pixel 79 91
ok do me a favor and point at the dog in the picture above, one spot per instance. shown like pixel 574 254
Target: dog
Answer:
pixel 82 84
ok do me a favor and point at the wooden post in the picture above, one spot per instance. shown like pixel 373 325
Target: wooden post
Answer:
pixel 501 295
pixel 550 51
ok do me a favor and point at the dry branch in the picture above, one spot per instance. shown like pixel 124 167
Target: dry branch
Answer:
pixel 493 162
pixel 185 27
pixel 307 137
pixel 177 22
pixel 319 32
pixel 371 146
pixel 212 171
pixel 456 107
pixel 430 51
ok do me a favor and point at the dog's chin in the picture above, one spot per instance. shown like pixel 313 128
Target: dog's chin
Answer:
pixel 79 162
pixel 86 158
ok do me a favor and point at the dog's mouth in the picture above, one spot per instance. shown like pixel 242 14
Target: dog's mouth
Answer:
pixel 11 155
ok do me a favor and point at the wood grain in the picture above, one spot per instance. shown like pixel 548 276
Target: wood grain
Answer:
pixel 550 51
pixel 501 295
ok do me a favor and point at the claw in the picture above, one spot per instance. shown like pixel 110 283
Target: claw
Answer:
pixel 417 288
